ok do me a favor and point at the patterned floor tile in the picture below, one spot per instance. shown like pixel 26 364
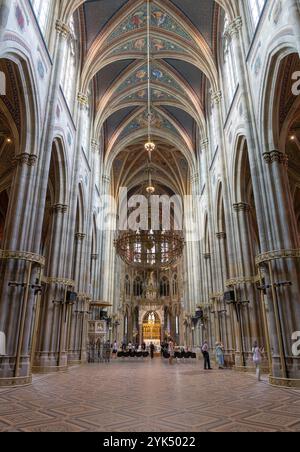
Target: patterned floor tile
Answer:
pixel 148 397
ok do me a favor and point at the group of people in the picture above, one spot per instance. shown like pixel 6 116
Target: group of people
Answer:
pixel 220 355
pixel 131 347
pixel 257 352
pixel 168 348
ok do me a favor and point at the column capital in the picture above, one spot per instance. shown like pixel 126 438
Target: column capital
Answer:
pixel 234 27
pixel 204 144
pixel 95 146
pixel 62 29
pixel 79 236
pixel 25 159
pixel 106 179
pixel 195 178
pixel 216 97
pixel 60 208
pixel 83 99
pixel 276 157
pixel 221 235
pixel 241 207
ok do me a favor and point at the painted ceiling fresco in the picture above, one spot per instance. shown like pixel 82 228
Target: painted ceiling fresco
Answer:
pixel 115 31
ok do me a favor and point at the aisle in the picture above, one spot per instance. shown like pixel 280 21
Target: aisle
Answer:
pixel 149 396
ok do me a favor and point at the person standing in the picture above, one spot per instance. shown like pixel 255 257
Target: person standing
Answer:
pixel 171 351
pixel 257 359
pixel 115 349
pixel 107 350
pixel 220 355
pixel 152 350
pixel 205 352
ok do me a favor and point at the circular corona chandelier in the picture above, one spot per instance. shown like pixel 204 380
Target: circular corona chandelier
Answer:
pixel 149 249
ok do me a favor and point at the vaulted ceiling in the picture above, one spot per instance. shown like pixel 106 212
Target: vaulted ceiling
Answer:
pixel 183 43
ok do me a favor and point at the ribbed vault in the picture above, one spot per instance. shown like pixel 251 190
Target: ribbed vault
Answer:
pixel 114 68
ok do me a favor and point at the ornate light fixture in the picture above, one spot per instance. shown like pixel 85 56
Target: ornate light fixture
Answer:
pixel 149 250
pixel 149 146
pixel 150 189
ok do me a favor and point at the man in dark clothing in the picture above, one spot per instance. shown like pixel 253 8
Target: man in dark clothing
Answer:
pixel 205 352
pixel 152 350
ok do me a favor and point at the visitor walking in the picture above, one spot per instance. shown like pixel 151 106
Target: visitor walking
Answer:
pixel 257 359
pixel 205 352
pixel 220 355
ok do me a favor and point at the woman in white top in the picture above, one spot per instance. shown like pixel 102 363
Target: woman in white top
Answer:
pixel 171 351
pixel 257 359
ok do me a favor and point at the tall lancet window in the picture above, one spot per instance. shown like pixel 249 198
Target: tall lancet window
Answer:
pixel 255 8
pixel 41 9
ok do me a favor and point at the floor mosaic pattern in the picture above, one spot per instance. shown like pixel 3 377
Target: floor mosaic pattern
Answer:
pixel 148 397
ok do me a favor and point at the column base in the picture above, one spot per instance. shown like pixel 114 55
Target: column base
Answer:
pixel 48 369
pixel 77 357
pixel 49 362
pixel 15 381
pixel 284 382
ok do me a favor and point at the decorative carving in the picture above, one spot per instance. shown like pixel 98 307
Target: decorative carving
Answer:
pixel 60 208
pixel 62 29
pixel 84 297
pixel 62 281
pixel 106 180
pixel 216 295
pixel 195 178
pixel 216 97
pixel 241 207
pixel 242 280
pixel 276 157
pixel 79 236
pixel 204 144
pixel 221 235
pixel 95 146
pixel 275 255
pixel 234 28
pixel 83 99
pixel 25 159
pixel 22 256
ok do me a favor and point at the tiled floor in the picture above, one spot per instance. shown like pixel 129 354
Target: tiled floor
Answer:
pixel 148 397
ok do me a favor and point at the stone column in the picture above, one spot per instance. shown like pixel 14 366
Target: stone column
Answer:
pixel 226 318
pixel 250 314
pixel 74 348
pixel 292 6
pixel 256 167
pixel 51 354
pixel 47 136
pixel 94 264
pixel 284 316
pixel 17 302
pixel 5 6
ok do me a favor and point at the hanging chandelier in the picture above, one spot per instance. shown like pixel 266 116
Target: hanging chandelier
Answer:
pixel 149 146
pixel 147 249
